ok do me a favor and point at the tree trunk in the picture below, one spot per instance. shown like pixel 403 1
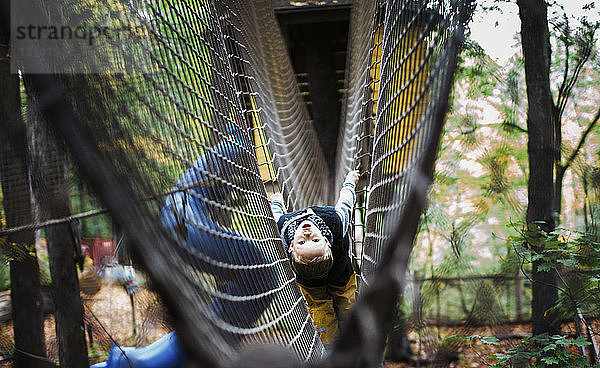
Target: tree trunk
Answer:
pixel 536 53
pixel 28 319
pixel 51 189
pixel 558 185
pixel 518 293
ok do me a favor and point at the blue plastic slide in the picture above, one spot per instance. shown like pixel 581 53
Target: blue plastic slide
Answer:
pixel 163 353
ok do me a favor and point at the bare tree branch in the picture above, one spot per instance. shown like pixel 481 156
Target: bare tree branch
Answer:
pixel 585 41
pixel 514 126
pixel 581 141
pixel 578 68
pixel 567 52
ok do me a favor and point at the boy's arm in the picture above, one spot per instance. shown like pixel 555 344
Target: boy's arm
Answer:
pixel 277 206
pixel 345 203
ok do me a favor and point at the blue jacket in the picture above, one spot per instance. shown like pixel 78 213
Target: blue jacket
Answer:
pixel 189 213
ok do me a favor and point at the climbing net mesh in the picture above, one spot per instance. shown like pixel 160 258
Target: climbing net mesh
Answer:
pixel 394 88
pixel 184 134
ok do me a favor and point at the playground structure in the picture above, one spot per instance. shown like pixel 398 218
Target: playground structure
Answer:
pixel 211 82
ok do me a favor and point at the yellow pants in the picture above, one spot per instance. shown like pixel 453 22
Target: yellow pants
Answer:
pixel 329 307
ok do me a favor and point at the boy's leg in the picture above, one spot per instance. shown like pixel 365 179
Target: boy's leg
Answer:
pixel 344 298
pixel 320 307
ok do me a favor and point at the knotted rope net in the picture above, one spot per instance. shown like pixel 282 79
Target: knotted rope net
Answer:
pixel 183 132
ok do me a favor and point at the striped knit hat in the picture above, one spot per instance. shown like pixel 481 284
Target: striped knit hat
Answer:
pixel 290 226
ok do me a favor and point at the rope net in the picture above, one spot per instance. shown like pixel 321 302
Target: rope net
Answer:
pixel 394 88
pixel 182 134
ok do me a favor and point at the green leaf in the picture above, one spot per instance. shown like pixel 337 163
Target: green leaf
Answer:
pixel 536 257
pixel 545 267
pixel 568 262
pixel 491 340
pixel 550 360
pixel 580 341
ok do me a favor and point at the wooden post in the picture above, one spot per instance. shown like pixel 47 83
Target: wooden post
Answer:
pixel 51 190
pixel 133 315
pixel 518 292
pixel 90 333
pixel 438 311
pixel 27 316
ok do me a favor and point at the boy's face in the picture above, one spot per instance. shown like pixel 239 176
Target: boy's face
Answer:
pixel 308 242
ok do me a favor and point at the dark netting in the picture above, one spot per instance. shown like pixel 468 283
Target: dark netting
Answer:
pixel 184 132
pixel 399 82
pixel 393 82
pixel 407 65
pixel 286 144
pixel 356 133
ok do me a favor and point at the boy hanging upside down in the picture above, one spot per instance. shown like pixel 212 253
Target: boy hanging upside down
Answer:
pixel 318 246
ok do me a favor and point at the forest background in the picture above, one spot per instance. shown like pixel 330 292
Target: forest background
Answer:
pixel 474 224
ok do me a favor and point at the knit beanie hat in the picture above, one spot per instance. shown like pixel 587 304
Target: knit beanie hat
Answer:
pixel 317 267
pixel 289 228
